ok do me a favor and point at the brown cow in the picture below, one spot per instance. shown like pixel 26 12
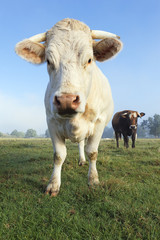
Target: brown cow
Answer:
pixel 125 123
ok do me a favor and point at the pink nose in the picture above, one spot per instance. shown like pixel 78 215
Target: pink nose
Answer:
pixel 67 103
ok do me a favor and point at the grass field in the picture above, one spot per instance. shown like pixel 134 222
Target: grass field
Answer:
pixel 126 204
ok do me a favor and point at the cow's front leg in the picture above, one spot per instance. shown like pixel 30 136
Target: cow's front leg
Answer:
pixel 92 173
pixel 92 153
pixel 126 141
pixel 59 157
pixel 82 159
pixel 133 140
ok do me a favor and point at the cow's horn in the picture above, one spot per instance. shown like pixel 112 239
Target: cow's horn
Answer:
pixel 41 37
pixel 124 114
pixel 96 34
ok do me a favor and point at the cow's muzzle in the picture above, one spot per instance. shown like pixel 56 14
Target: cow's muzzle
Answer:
pixel 67 104
pixel 133 127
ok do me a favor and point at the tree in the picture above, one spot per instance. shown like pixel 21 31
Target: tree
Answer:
pixel 31 133
pixel 17 134
pixel 141 131
pixel 47 135
pixel 1 134
pixel 154 125
pixel 21 134
pixel 14 133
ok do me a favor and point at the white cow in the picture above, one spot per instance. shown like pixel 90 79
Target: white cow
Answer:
pixel 78 98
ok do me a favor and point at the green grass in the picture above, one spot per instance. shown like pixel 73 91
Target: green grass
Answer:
pixel 126 204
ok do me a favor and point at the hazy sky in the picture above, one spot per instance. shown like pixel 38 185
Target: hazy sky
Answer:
pixel 134 75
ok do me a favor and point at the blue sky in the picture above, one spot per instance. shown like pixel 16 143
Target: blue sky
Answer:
pixel 134 75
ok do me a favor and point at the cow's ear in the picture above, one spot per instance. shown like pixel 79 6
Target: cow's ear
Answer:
pixel 31 51
pixel 124 115
pixel 106 48
pixel 141 114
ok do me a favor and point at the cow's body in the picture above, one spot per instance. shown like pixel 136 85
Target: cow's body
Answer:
pixel 78 98
pixel 125 123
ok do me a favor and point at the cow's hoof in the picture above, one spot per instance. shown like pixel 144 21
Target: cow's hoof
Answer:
pixel 52 189
pixel 52 194
pixel 93 182
pixel 81 162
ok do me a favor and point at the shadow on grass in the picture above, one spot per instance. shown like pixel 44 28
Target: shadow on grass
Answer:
pixel 34 185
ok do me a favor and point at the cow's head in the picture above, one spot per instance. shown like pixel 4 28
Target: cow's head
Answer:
pixel 131 118
pixel 70 53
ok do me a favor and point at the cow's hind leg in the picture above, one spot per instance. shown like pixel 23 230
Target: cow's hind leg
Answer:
pixel 117 138
pixel 82 159
pixel 59 157
pixel 126 141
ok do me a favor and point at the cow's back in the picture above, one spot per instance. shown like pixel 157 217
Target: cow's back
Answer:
pixel 118 122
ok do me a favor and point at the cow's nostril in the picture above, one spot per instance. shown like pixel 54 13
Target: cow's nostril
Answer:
pixel 76 100
pixel 133 127
pixel 57 102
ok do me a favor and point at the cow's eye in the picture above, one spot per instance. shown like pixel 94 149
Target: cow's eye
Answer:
pixel 89 61
pixel 50 64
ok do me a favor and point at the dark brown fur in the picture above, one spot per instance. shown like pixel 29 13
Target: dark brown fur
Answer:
pixel 125 123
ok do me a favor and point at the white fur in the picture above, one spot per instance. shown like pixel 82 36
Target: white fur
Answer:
pixel 72 75
pixel 82 158
pixel 78 128
pixel 68 49
pixel 134 114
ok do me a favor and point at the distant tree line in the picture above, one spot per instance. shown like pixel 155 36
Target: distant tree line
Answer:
pixel 30 133
pixel 149 128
